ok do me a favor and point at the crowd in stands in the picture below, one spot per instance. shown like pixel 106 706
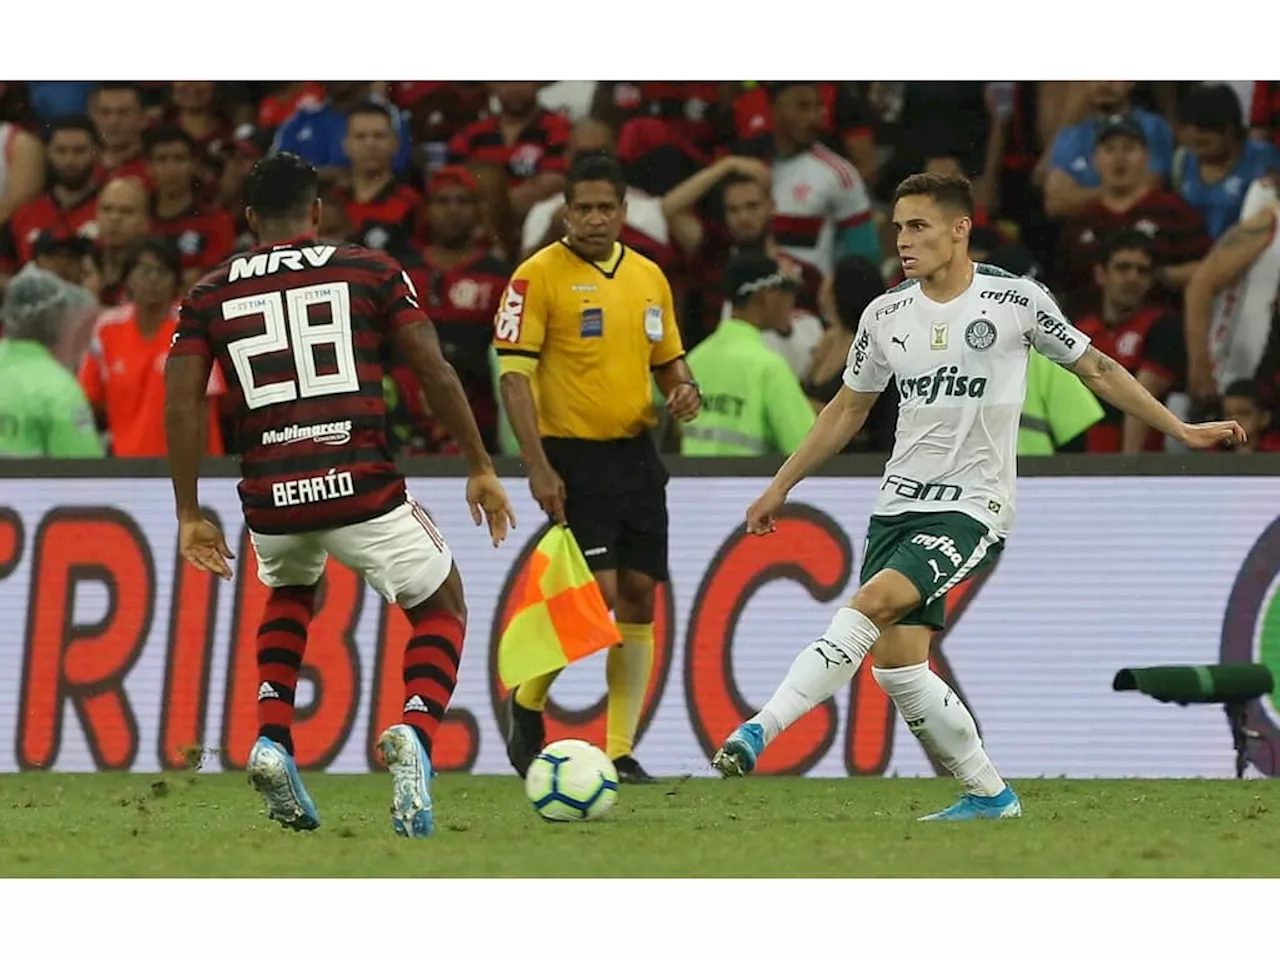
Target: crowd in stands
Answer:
pixel 1148 209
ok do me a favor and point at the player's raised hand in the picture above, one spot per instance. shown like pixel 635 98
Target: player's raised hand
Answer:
pixel 203 546
pixel 1202 436
pixel 762 515
pixel 488 501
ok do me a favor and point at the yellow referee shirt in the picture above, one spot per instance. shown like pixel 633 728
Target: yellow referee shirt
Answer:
pixel 587 335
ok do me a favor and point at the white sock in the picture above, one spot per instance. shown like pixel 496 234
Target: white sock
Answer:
pixel 942 723
pixel 821 670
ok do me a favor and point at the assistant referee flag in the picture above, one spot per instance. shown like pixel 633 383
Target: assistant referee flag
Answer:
pixel 561 617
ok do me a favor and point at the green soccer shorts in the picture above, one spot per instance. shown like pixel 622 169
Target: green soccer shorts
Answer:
pixel 935 551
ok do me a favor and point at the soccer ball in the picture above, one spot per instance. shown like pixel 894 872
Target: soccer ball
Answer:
pixel 571 780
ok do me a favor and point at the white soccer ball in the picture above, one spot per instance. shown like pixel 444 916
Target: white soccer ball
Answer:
pixel 571 780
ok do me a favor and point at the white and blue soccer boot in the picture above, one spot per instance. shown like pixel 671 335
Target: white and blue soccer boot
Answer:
pixel 410 768
pixel 1003 806
pixel 274 774
pixel 737 756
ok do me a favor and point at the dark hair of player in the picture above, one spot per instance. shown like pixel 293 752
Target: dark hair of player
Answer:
pixel 165 134
pixel 162 248
pixel 946 190
pixel 1120 240
pixel 595 167
pixel 371 108
pixel 76 122
pixel 1213 107
pixel 281 187
pixel 855 282
pixel 110 86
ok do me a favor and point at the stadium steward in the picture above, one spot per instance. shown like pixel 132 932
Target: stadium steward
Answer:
pixel 752 402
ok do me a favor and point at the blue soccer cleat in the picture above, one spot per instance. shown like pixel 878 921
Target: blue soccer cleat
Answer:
pixel 1003 806
pixel 737 757
pixel 274 774
pixel 410 768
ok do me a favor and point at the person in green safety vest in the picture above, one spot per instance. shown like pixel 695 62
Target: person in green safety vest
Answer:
pixel 1057 411
pixel 752 403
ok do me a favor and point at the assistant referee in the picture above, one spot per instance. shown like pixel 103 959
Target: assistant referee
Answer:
pixel 583 324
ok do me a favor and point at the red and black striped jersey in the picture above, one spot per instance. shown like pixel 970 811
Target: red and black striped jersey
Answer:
pixel 204 237
pixel 300 331
pixel 816 194
pixel 462 301
pixel 18 234
pixel 1177 233
pixel 540 147
pixel 390 221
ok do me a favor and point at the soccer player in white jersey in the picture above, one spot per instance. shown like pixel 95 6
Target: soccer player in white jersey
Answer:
pixel 956 336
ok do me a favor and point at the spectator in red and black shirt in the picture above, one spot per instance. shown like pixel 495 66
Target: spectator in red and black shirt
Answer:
pixel 1133 331
pixel 383 212
pixel 1128 202
pixel 847 125
pixel 696 115
pixel 122 219
pixel 461 283
pixel 68 206
pixel 248 145
pixel 195 110
pixel 527 142
pixel 203 236
pixel 117 111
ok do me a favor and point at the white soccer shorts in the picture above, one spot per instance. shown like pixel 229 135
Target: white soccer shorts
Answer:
pixel 401 554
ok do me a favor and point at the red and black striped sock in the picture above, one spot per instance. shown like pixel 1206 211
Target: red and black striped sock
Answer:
pixel 431 671
pixel 282 640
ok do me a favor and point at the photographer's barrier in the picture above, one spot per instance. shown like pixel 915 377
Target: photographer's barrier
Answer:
pixel 115 655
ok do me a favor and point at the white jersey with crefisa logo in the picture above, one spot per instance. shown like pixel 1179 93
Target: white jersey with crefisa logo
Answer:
pixel 961 374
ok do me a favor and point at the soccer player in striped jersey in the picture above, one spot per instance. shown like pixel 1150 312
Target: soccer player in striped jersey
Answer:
pixel 298 328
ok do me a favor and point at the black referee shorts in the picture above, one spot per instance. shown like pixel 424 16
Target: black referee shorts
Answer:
pixel 615 501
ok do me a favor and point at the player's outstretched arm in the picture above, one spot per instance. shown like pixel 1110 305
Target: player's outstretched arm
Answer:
pixel 1114 384
pixel 837 424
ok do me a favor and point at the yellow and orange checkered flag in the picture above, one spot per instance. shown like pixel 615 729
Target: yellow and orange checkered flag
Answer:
pixel 561 617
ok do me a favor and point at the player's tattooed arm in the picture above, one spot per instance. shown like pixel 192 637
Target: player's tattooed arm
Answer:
pixel 1114 384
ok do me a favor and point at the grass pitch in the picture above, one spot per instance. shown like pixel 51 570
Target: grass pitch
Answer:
pixel 211 825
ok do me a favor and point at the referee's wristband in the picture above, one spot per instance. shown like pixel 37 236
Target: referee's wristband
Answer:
pixel 692 383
